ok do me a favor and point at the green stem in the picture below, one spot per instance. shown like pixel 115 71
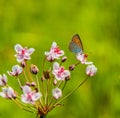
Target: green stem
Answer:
pixel 44 63
pixel 46 96
pixel 25 76
pixel 38 84
pixel 28 72
pixel 77 63
pixel 64 85
pixel 43 116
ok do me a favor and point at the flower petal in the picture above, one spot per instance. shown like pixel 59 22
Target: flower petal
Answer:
pixel 36 96
pixel 10 92
pixel 91 70
pixel 2 95
pixel 24 98
pixel 56 66
pixel 57 93
pixel 26 89
pixel 54 44
pixel 88 63
pixel 18 48
pixel 30 51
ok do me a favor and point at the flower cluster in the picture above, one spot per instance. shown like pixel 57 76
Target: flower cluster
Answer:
pixel 40 95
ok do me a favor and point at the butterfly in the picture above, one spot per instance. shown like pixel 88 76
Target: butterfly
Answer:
pixel 76 44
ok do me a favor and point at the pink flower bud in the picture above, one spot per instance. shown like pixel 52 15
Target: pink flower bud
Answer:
pixel 28 84
pixel 33 84
pixel 23 64
pixel 55 82
pixel 91 70
pixel 47 74
pixel 42 78
pixel 34 69
pixel 71 67
pixel 64 59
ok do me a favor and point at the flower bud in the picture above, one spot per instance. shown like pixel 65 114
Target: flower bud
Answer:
pixel 71 67
pixel 33 84
pixel 55 82
pixel 23 64
pixel 46 74
pixel 36 89
pixel 64 59
pixel 67 78
pixel 34 69
pixel 91 70
pixel 42 78
pixel 28 83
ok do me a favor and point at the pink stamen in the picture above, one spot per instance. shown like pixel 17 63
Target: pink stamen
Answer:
pixel 23 51
pixel 60 71
pixel 29 96
pixel 57 50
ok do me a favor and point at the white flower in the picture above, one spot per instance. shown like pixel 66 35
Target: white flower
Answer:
pixel 3 80
pixel 23 53
pixel 8 92
pixel 91 70
pixel 59 72
pixel 29 96
pixel 83 58
pixel 54 52
pixel 16 70
pixel 57 93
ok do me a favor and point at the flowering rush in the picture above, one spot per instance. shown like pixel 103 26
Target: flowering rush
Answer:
pixel 41 94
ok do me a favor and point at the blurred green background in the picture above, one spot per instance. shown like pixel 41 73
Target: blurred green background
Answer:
pixel 37 23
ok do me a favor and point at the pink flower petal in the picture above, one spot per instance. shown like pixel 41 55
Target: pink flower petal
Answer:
pixel 18 48
pixel 56 66
pixel 16 70
pixel 91 70
pixel 8 92
pixel 26 89
pixel 57 93
pixel 36 96
pixel 3 80
pixel 2 95
pixel 24 98
pixel 54 44
pixel 30 51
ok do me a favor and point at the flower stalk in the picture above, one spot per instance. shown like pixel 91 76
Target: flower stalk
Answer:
pixel 43 116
